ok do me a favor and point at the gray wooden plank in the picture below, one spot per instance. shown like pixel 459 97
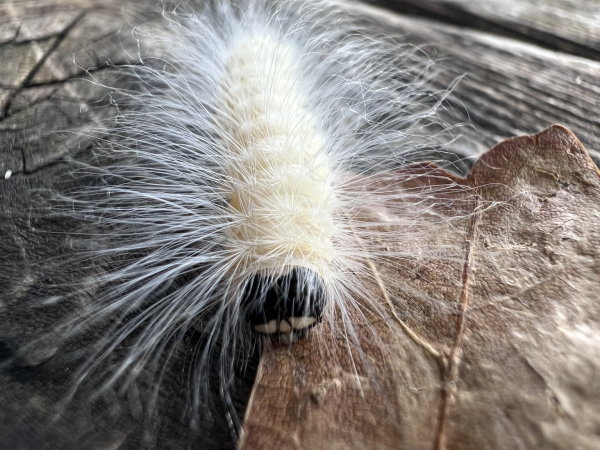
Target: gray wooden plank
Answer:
pixel 46 51
pixel 509 88
pixel 570 26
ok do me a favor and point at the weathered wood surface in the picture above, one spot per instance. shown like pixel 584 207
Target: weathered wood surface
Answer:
pixel 569 26
pixel 510 88
pixel 44 55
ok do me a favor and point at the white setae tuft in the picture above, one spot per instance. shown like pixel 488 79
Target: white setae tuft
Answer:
pixel 240 190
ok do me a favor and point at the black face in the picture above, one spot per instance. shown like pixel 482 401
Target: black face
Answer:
pixel 287 306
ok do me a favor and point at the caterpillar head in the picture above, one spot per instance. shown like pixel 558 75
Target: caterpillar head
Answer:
pixel 284 305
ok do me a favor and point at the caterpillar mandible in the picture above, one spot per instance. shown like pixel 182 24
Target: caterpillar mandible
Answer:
pixel 237 186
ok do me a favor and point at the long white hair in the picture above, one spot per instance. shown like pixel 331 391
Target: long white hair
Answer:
pixel 252 142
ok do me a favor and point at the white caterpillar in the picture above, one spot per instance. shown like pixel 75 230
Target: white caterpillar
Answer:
pixel 279 188
pixel 234 186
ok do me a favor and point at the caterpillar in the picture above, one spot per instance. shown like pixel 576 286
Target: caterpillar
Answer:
pixel 237 189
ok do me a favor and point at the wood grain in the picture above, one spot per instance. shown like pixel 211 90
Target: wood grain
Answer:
pixel 567 26
pixel 507 88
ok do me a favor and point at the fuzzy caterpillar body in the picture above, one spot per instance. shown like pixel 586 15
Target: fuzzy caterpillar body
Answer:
pixel 281 163
pixel 237 188
pixel 279 176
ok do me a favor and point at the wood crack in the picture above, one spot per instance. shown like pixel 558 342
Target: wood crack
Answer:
pixel 38 65
pixel 456 15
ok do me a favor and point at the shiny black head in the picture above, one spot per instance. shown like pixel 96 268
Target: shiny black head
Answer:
pixel 285 306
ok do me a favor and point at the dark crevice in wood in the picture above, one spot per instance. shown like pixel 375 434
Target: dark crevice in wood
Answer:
pixel 12 39
pixel 82 73
pixel 452 14
pixel 23 160
pixel 61 159
pixel 25 83
pixel 25 42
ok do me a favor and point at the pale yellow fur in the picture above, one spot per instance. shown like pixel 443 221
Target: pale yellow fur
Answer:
pixel 278 166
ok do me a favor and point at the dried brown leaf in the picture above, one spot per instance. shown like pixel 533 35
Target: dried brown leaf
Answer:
pixel 518 368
